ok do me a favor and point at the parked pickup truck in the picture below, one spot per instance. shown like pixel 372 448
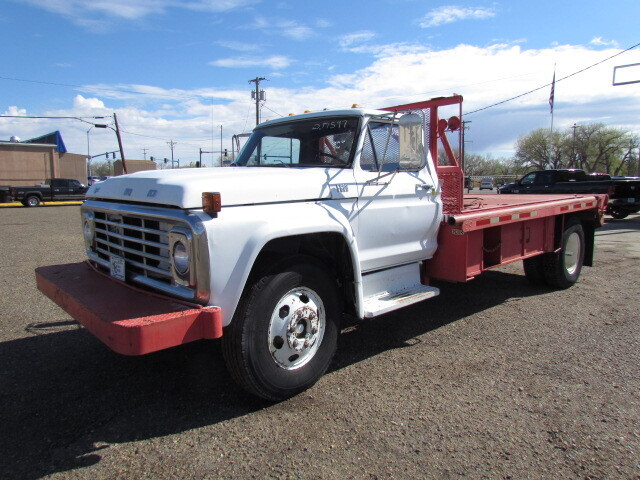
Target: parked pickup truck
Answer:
pixel 624 194
pixel 52 190
pixel 321 215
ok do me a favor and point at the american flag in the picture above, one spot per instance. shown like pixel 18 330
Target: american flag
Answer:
pixel 553 87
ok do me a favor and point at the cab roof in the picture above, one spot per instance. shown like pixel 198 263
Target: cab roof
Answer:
pixel 346 112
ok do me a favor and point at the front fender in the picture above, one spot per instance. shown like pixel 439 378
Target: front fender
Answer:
pixel 238 235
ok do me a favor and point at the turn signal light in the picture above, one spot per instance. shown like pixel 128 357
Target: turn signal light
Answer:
pixel 211 203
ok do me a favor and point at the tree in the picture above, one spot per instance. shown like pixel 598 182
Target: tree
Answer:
pixel 101 169
pixel 536 150
pixel 593 147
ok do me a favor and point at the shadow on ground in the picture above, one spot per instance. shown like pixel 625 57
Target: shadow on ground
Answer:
pixel 65 396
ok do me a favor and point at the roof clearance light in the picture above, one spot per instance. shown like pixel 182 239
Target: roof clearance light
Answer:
pixel 308 111
pixel 291 114
pixel 211 203
pixel 355 105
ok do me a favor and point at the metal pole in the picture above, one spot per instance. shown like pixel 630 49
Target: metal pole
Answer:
pixel 221 162
pixel 573 147
pixel 88 153
pixel 124 165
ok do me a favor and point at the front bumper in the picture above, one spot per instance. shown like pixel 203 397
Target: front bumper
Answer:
pixel 128 320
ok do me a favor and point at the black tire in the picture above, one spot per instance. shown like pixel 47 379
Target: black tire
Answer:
pixel 267 364
pixel 32 201
pixel 534 269
pixel 562 269
pixel 618 214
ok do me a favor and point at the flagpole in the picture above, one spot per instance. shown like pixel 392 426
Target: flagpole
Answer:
pixel 551 100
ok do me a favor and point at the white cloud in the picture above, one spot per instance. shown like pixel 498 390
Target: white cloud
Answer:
pixel 273 61
pixel 398 74
pixel 284 27
pixel 91 14
pixel 238 46
pixel 83 104
pixel 452 13
pixel 355 39
pixel 601 42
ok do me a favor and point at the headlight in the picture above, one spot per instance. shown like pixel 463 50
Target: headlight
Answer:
pixel 88 234
pixel 87 229
pixel 181 258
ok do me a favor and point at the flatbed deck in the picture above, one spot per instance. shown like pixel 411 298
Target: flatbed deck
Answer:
pixel 493 230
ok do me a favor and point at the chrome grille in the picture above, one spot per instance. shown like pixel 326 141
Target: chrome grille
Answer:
pixel 142 242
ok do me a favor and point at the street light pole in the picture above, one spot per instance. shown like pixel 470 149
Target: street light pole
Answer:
pixel 96 125
pixel 89 153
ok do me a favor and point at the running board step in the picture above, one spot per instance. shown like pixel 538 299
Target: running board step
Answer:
pixel 395 288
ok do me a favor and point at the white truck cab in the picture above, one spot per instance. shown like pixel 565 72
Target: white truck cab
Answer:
pixel 320 214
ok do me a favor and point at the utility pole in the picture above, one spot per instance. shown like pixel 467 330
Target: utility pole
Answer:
pixel 257 95
pixel 144 153
pixel 221 161
pixel 464 129
pixel 124 165
pixel 171 145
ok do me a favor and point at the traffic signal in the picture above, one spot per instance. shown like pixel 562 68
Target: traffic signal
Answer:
pixel 225 152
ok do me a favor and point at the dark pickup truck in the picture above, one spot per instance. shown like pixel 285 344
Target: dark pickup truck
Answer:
pixel 53 190
pixel 624 193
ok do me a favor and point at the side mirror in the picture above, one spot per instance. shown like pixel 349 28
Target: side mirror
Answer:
pixel 411 141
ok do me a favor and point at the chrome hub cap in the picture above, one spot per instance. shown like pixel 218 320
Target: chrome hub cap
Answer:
pixel 296 328
pixel 572 253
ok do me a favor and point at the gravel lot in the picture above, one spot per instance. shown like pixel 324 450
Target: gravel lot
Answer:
pixel 493 379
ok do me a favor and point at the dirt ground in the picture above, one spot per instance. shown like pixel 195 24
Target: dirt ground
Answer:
pixel 492 379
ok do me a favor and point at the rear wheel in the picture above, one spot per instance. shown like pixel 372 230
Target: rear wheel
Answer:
pixel 284 333
pixel 32 201
pixel 618 214
pixel 562 269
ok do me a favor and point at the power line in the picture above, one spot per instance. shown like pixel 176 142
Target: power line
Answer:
pixel 556 81
pixel 272 110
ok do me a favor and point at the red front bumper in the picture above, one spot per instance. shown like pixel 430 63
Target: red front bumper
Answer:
pixel 127 320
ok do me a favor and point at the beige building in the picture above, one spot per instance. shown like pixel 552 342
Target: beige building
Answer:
pixel 33 161
pixel 133 166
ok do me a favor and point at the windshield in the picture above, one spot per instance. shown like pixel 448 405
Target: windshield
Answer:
pixel 319 142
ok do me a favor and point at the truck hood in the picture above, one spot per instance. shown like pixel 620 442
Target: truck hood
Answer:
pixel 183 188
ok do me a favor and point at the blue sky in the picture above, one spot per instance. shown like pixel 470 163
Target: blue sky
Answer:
pixel 177 70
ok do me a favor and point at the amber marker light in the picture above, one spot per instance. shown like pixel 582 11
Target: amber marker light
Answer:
pixel 211 203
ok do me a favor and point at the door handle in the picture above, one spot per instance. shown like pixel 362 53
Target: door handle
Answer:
pixel 429 188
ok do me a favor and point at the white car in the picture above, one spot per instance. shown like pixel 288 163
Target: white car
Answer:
pixel 486 183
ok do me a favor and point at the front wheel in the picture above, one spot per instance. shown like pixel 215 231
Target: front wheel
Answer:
pixel 284 333
pixel 32 201
pixel 562 269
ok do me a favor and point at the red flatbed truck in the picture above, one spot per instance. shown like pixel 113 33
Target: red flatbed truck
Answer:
pixel 276 298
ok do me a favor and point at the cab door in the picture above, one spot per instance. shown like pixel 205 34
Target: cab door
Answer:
pixel 398 211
